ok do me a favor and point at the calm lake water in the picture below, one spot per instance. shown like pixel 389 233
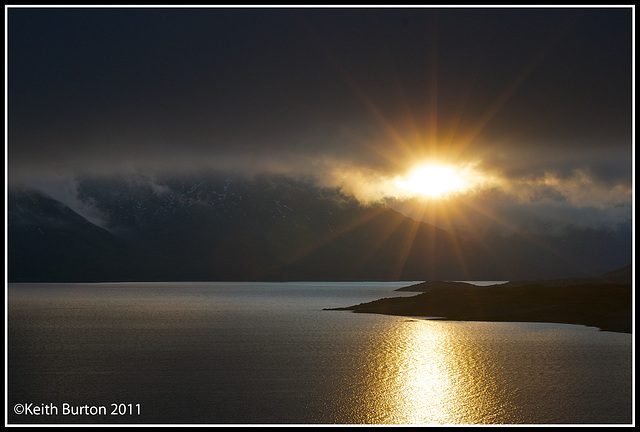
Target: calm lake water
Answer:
pixel 266 353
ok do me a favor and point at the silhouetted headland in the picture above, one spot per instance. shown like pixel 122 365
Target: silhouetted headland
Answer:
pixel 604 301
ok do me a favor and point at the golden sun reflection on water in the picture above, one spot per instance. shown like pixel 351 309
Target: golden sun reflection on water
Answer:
pixel 428 373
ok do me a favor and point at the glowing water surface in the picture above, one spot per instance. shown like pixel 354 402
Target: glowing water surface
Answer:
pixel 233 353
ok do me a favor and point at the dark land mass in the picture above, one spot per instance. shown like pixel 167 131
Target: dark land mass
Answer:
pixel 269 228
pixel 604 302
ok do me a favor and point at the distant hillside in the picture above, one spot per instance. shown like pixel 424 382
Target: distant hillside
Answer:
pixel 620 276
pixel 623 275
pixel 267 229
pixel 47 241
pixel 274 228
pixel 270 228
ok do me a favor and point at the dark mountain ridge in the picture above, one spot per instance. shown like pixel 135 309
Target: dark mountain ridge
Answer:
pixel 49 242
pixel 269 228
pixel 272 228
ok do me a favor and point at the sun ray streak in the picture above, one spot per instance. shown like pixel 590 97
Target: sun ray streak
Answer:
pixel 405 248
pixel 510 89
pixel 378 243
pixel 514 229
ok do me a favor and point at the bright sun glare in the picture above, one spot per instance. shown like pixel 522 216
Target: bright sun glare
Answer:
pixel 433 181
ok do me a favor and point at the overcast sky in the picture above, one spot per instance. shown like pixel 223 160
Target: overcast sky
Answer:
pixel 540 98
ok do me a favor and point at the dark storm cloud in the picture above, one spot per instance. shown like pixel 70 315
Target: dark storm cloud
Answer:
pixel 527 91
pixel 132 82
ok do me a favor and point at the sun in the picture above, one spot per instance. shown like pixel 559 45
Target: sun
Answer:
pixel 433 181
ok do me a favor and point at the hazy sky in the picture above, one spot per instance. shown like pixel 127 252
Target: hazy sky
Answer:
pixel 537 99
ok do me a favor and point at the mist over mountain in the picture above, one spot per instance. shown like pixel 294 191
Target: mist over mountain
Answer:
pixel 47 241
pixel 270 228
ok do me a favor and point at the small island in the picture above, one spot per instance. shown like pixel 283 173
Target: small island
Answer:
pixel 604 301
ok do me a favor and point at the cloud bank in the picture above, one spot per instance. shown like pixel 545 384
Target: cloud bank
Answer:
pixel 534 99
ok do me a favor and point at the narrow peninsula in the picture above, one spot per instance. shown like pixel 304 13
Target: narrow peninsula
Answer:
pixel 604 301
